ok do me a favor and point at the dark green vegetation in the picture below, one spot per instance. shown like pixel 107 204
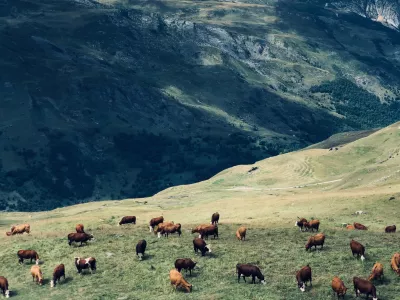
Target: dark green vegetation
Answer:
pixel 124 98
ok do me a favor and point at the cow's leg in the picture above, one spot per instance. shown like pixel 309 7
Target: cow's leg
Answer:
pixel 253 279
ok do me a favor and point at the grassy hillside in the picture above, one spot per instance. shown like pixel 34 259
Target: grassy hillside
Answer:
pixel 137 96
pixel 316 183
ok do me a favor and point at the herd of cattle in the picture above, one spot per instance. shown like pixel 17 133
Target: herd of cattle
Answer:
pixel 161 228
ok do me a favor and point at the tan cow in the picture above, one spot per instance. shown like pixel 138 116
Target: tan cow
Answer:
pixel 177 280
pixel 241 233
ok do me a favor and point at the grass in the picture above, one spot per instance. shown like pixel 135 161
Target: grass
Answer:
pixel 273 243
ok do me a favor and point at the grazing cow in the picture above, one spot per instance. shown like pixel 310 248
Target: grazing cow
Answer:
pixel 362 286
pixel 186 264
pixel 37 274
pixel 350 227
pixel 141 248
pixel 390 229
pixel 377 272
pixel 241 233
pixel 80 228
pixel 214 219
pixel 313 224
pixel 177 280
pixel 79 238
pixel 302 276
pixel 300 223
pixel 154 222
pixel 200 244
pixel 127 220
pixel 199 228
pixel 395 263
pixel 357 248
pixel 19 229
pixel 88 263
pixel 338 287
pixel 160 227
pixel 168 229
pixel 316 240
pixel 28 254
pixel 246 270
pixel 58 272
pixel 209 230
pixel 360 226
pixel 4 287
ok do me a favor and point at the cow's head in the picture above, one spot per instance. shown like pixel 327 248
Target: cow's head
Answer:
pixel 362 257
pixel 302 286
pixel 77 259
pixel 262 279
pixel 37 261
pixel 208 247
pixel 52 283
pixel 308 246
pixel 40 281
pixel 140 255
pixel 7 294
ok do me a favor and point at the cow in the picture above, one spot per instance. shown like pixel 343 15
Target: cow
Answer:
pixel 302 276
pixel 37 274
pixel 214 219
pixel 377 272
pixel 316 240
pixel 168 229
pixel 199 228
pixel 362 286
pixel 360 226
pixel 79 238
pixel 358 249
pixel 300 223
pixel 395 263
pixel 390 229
pixel 160 227
pixel 186 264
pixel 19 229
pixel 200 244
pixel 140 249
pixel 88 263
pixel 313 224
pixel 350 227
pixel 58 272
pixel 127 220
pixel 241 233
pixel 4 287
pixel 246 270
pixel 27 254
pixel 80 228
pixel 338 287
pixel 209 230
pixel 177 280
pixel 154 222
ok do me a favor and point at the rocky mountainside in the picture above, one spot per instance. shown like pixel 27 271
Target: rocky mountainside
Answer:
pixel 116 99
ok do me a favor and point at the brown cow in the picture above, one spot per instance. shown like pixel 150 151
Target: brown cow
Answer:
pixel 27 254
pixel 168 229
pixel 58 272
pixel 79 238
pixel 37 274
pixel 19 229
pixel 390 229
pixel 199 228
pixel 362 286
pixel 200 244
pixel 154 222
pixel 241 233
pixel 302 276
pixel 357 248
pixel 209 230
pixel 141 248
pixel 316 240
pixel 186 264
pixel 160 227
pixel 4 287
pixel 377 272
pixel 177 280
pixel 338 287
pixel 127 220
pixel 249 270
pixel 88 263
pixel 214 219
pixel 300 223
pixel 313 224
pixel 80 228
pixel 395 263
pixel 360 226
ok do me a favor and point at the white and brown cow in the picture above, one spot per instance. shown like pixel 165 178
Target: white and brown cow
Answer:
pixel 85 263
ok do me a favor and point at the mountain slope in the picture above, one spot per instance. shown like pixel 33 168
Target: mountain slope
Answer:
pixel 362 175
pixel 125 98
